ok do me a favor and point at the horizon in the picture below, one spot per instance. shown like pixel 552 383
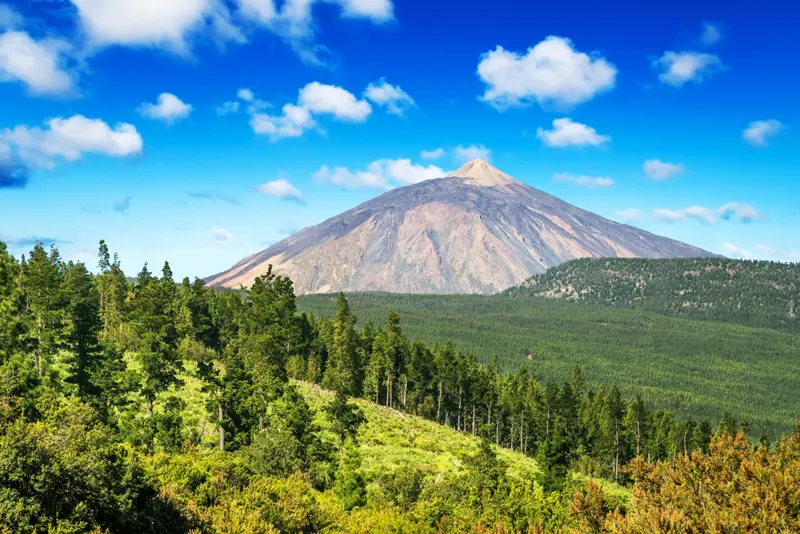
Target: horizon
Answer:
pixel 212 130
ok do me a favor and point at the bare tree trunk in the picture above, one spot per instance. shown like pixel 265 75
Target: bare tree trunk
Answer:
pixel 220 417
pixel 638 437
pixel 473 419
pixel 149 408
pixel 489 422
pixel 405 390
pixel 261 422
pixel 439 403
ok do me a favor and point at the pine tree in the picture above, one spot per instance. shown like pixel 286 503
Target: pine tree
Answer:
pixel 42 277
pixel 343 366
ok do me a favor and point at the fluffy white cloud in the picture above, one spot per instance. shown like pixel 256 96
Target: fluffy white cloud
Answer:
pixel 41 65
pixel 463 154
pixel 655 169
pixel 175 24
pixel 376 10
pixel 631 215
pixel 588 182
pixel 381 174
pixel 228 107
pixel 161 23
pixel 347 179
pixel 282 189
pixel 669 216
pixel 711 34
pixel 704 215
pixel 293 20
pixel 404 172
pixel 341 103
pixel 392 97
pixel 432 154
pixel 69 139
pixel 757 132
pixel 566 132
pixel 294 121
pixel 740 210
pixel 677 68
pixel 738 252
pixel 245 94
pixel 550 73
pixel 168 109
pixel 743 212
pixel 222 236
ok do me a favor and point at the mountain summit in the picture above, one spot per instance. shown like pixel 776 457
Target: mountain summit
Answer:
pixel 476 231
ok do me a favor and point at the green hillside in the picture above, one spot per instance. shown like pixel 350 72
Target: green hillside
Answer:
pixel 753 293
pixel 695 368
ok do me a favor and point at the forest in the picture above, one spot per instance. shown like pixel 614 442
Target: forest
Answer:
pixel 763 294
pixel 162 406
pixel 697 369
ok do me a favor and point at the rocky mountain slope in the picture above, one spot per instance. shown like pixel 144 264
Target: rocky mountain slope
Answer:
pixel 476 231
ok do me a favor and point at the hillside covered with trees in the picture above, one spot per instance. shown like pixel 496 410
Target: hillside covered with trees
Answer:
pixel 163 406
pixel 754 293
pixel 697 369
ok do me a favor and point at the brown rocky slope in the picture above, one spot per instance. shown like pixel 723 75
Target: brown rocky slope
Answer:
pixel 476 231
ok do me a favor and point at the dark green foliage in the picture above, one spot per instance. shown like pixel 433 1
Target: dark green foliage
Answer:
pixel 66 472
pixel 697 369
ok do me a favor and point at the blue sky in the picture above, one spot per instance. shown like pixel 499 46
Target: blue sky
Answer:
pixel 201 131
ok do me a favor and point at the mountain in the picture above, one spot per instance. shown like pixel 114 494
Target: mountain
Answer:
pixel 753 293
pixel 476 231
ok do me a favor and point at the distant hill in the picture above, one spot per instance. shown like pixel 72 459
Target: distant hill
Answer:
pixel 754 293
pixel 476 231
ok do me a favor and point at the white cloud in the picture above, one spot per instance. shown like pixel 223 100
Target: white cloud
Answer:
pixel 677 68
pixel 347 179
pixel 176 24
pixel 655 169
pixel 738 252
pixel 222 236
pixel 392 97
pixel 377 11
pixel 631 215
pixel 168 109
pixel 282 189
pixel 341 103
pixel 41 65
pixel 711 34
pixel 704 215
pixel 743 212
pixel 589 182
pixel 463 154
pixel 380 174
pixel 740 210
pixel 9 18
pixel 294 121
pixel 757 132
pixel 766 249
pixel 404 172
pixel 432 154
pixel 245 94
pixel 69 139
pixel 167 24
pixel 552 72
pixel 293 21
pixel 669 216
pixel 228 107
pixel 566 132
